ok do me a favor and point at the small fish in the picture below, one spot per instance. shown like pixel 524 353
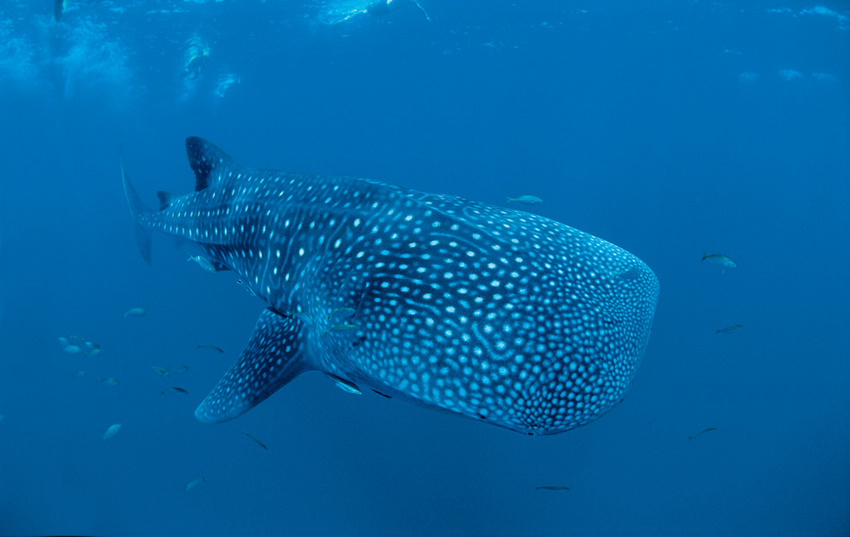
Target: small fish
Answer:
pixel 719 259
pixel 78 374
pixel 748 77
pixel 167 371
pixel 341 311
pixel 211 347
pixel 109 381
pixel 255 440
pixel 89 348
pixel 526 200
pixel 303 316
pixel 706 430
pixel 111 431
pixel 552 487
pixel 344 384
pixel 77 344
pixel 192 484
pixel 175 389
pixel 790 74
pixel 247 287
pixel 628 275
pixel 204 263
pixel 134 312
pixel 339 327
pixel 729 329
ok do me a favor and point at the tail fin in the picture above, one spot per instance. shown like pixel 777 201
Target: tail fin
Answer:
pixel 137 209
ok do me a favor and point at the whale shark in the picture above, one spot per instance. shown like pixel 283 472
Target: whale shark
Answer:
pixel 495 314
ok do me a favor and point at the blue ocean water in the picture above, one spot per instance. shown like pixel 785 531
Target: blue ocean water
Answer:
pixel 667 128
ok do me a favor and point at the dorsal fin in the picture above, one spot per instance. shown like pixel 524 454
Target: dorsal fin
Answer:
pixel 206 160
pixel 165 199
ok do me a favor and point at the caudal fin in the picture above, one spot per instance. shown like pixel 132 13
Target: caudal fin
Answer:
pixel 137 209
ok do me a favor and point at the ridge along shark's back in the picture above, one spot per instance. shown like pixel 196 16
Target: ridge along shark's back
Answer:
pixel 492 313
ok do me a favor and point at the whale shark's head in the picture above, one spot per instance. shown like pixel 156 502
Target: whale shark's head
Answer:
pixel 578 332
pixel 502 316
pixel 603 323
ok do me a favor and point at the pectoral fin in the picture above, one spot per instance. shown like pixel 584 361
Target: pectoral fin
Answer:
pixel 272 358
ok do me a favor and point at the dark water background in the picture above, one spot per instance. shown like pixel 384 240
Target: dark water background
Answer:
pixel 667 128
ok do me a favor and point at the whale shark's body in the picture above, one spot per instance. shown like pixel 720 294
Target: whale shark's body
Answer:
pixel 492 313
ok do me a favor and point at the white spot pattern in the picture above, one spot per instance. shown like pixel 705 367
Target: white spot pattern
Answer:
pixel 492 313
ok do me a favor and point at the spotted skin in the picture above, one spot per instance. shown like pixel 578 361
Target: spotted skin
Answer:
pixel 270 360
pixel 492 313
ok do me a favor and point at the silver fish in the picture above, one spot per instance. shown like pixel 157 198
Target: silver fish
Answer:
pixel 706 430
pixel 77 344
pixel 192 484
pixel 720 260
pixel 526 200
pixel 256 441
pixel 202 262
pixel 111 431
